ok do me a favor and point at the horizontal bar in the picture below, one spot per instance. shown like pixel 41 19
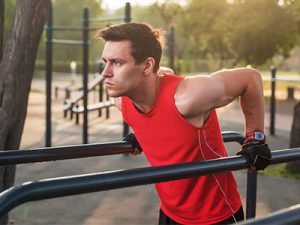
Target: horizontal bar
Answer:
pixel 67 42
pixel 79 151
pixel 63 152
pixel 282 79
pixel 285 155
pixel 68 28
pixel 290 215
pixel 112 19
pixel 232 136
pixel 80 184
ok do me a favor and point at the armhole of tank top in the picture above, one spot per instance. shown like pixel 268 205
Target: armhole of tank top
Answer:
pixel 205 124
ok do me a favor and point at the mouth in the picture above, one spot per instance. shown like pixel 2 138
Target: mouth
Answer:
pixel 108 84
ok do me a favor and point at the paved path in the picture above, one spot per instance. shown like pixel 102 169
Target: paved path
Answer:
pixel 138 205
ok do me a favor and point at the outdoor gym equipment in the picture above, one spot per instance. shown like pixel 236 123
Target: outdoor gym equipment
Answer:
pixel 73 185
pixel 85 28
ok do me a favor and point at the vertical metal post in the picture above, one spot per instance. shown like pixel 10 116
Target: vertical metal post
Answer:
pixel 85 60
pixel 273 101
pixel 171 46
pixel 100 97
pixel 251 193
pixel 126 20
pixel 127 13
pixel 107 108
pixel 48 65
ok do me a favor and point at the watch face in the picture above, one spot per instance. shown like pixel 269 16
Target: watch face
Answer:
pixel 259 135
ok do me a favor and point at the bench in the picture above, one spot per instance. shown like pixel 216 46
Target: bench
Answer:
pixel 92 107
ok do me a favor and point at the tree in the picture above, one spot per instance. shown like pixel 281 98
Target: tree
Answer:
pixel 16 71
pixel 261 29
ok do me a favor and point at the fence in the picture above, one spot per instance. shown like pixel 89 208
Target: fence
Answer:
pixel 73 185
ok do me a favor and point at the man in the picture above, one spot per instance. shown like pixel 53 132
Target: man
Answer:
pixel 174 121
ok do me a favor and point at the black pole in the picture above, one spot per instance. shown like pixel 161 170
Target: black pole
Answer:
pixel 171 45
pixel 273 101
pixel 85 68
pixel 48 65
pixel 126 20
pixel 127 13
pixel 251 193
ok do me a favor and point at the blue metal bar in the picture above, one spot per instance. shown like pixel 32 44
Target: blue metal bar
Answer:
pixel 72 185
pixel 63 152
pixel 80 151
pixel 290 215
pixel 232 136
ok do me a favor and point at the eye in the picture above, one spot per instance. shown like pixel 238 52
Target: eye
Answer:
pixel 118 63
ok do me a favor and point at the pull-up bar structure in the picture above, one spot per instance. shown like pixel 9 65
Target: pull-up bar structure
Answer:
pixel 84 43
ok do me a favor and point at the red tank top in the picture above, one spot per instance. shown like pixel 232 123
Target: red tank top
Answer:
pixel 167 138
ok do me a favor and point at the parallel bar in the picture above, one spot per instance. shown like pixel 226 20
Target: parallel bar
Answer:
pixel 73 185
pixel 79 151
pixel 290 215
pixel 232 136
pixel 63 152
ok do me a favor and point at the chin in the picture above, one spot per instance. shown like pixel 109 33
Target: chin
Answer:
pixel 113 94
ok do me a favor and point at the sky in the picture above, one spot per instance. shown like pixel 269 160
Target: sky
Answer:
pixel 115 4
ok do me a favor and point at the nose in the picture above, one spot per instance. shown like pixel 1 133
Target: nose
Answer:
pixel 107 71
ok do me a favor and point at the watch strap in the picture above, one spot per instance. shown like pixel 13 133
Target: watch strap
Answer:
pixel 257 135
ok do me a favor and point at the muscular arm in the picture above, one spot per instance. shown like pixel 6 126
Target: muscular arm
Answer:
pixel 196 96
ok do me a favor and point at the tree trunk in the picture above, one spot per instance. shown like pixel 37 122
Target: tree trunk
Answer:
pixel 295 139
pixel 2 7
pixel 16 71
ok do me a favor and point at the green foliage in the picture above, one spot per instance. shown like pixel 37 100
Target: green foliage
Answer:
pixel 280 171
pixel 260 32
pixel 209 35
pixel 69 13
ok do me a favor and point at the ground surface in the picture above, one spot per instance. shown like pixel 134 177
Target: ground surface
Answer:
pixel 138 205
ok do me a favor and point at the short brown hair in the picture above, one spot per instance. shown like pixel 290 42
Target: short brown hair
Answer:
pixel 145 40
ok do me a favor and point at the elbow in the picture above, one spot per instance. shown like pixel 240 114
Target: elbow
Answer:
pixel 254 75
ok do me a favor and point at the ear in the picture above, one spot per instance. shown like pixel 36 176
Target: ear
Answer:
pixel 149 65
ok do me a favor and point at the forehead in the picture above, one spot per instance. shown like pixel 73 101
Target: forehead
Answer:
pixel 116 49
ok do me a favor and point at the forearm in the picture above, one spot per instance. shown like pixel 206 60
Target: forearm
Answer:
pixel 252 103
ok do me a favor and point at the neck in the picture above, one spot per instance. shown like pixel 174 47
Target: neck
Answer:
pixel 145 98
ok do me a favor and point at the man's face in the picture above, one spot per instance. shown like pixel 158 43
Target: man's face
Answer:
pixel 122 75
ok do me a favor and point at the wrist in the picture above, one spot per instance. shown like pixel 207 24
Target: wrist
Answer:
pixel 256 135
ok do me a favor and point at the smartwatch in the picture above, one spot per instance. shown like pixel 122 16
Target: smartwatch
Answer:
pixel 256 136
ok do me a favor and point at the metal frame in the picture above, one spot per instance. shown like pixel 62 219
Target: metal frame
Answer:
pixel 73 185
pixel 85 59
